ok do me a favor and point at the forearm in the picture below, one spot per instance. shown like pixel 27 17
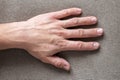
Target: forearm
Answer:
pixel 9 33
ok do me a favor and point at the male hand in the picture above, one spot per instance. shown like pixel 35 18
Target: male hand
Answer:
pixel 46 34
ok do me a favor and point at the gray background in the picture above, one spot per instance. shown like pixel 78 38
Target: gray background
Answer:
pixel 103 64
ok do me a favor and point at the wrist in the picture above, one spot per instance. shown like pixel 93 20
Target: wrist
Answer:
pixel 11 35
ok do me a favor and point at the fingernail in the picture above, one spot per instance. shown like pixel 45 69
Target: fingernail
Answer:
pixel 96 45
pixel 79 11
pixel 100 31
pixel 66 67
pixel 94 19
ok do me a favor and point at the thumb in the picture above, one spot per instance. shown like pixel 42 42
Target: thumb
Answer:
pixel 58 62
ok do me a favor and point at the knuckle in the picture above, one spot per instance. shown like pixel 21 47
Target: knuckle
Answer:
pixel 58 33
pixel 61 43
pixel 55 63
pixel 75 21
pixel 80 45
pixel 61 33
pixel 81 32
pixel 58 63
pixel 60 25
pixel 66 12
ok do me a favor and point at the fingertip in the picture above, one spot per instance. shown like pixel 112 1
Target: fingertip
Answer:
pixel 94 19
pixel 77 10
pixel 96 45
pixel 100 31
pixel 66 67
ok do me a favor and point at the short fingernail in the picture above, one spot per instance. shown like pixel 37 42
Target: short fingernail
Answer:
pixel 94 19
pixel 79 11
pixel 96 45
pixel 100 31
pixel 66 67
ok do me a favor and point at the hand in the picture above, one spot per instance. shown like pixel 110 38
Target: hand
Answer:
pixel 45 35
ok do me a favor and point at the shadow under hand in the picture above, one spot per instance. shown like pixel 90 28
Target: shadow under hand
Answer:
pixel 81 54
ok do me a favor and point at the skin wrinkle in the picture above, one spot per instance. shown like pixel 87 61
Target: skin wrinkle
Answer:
pixel 47 34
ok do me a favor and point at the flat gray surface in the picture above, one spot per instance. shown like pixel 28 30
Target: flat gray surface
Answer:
pixel 97 65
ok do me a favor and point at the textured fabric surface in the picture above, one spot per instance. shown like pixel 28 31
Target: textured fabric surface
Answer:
pixel 103 64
